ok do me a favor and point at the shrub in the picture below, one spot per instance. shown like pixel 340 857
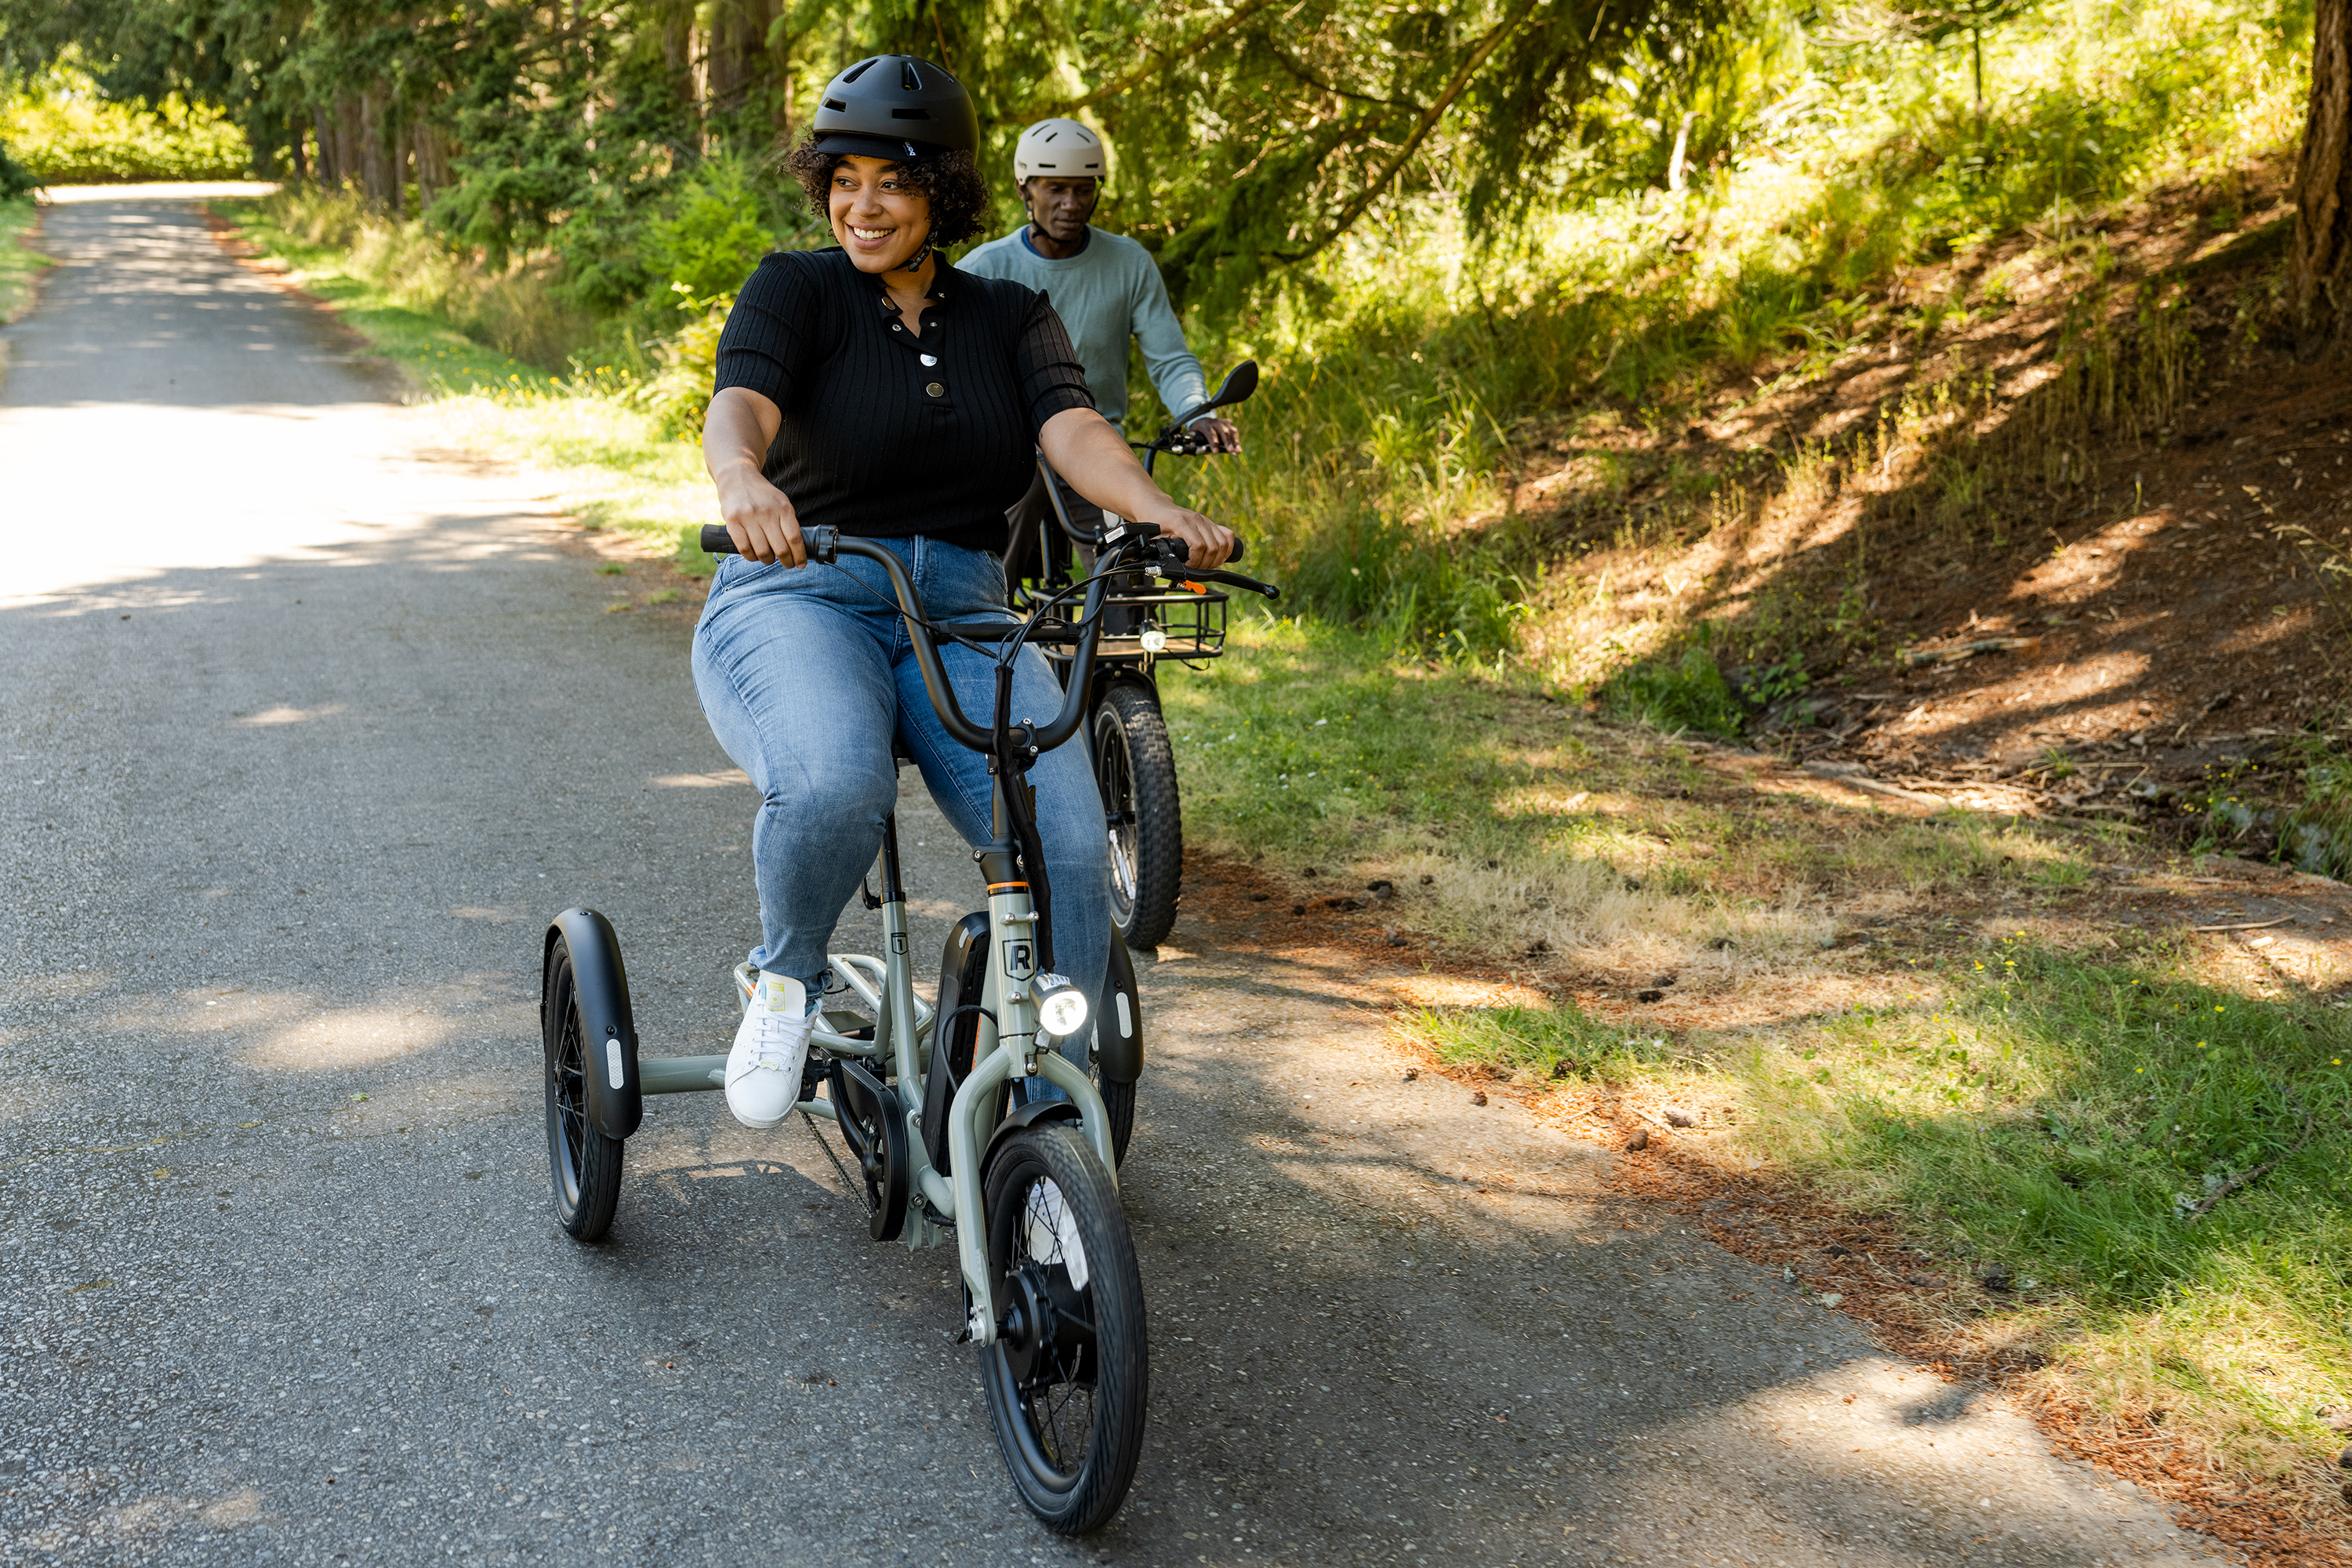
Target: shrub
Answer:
pixel 715 231
pixel 16 180
pixel 64 134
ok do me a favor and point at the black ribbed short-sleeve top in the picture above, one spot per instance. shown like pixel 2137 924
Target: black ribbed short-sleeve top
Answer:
pixel 887 433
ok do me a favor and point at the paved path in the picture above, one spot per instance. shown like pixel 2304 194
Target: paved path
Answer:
pixel 303 736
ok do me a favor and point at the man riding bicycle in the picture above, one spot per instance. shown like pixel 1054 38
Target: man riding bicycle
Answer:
pixel 874 388
pixel 1104 287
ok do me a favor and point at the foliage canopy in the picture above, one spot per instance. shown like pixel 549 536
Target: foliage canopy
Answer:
pixel 1246 135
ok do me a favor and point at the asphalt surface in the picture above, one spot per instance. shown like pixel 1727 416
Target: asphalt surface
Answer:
pixel 305 731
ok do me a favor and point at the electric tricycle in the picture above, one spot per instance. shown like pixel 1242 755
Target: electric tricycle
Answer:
pixel 1143 623
pixel 919 1092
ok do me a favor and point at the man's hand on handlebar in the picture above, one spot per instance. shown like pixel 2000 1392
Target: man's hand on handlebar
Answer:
pixel 759 518
pixel 1211 542
pixel 1222 434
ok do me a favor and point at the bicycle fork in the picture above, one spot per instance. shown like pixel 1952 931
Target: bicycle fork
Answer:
pixel 1006 1046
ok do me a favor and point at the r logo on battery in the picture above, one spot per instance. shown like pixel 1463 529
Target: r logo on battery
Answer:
pixel 1020 960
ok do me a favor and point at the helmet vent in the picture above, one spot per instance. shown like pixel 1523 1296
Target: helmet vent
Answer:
pixel 910 114
pixel 837 106
pixel 907 77
pixel 859 70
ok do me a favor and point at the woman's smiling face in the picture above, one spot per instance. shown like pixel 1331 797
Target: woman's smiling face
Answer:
pixel 879 219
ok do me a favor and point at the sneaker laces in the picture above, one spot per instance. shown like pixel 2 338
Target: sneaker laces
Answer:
pixel 777 1037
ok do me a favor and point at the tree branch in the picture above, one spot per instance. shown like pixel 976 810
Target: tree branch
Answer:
pixel 1041 108
pixel 1299 71
pixel 1429 119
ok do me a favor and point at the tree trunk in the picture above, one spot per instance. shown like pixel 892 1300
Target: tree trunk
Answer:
pixel 374 177
pixel 678 55
pixel 331 173
pixel 735 52
pixel 294 132
pixel 348 142
pixel 2320 283
pixel 428 165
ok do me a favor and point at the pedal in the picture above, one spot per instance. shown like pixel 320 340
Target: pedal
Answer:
pixel 746 984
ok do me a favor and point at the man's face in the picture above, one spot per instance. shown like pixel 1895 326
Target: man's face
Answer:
pixel 1060 206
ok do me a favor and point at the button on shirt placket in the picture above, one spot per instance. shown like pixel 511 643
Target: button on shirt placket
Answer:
pixel 924 348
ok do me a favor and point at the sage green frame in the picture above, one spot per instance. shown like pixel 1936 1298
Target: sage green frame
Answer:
pixel 1007 1048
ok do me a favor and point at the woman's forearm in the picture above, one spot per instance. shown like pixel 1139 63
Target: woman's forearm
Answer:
pixel 1093 459
pixel 736 430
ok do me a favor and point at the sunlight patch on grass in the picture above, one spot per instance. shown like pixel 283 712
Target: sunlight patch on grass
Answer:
pixel 2168 1163
pixel 1309 745
pixel 2163 1168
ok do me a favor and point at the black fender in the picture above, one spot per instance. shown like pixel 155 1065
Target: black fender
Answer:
pixel 963 979
pixel 615 1103
pixel 1030 1115
pixel 1118 1033
pixel 1106 675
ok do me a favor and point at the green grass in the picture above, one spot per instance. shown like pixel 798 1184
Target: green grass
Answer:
pixel 1539 1044
pixel 610 458
pixel 2164 1166
pixel 19 263
pixel 1314 744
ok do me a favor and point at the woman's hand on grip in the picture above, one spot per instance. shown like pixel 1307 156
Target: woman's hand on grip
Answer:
pixel 759 518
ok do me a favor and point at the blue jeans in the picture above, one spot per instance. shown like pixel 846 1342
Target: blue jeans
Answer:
pixel 806 676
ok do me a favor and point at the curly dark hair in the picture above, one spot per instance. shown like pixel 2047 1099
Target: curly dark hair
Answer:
pixel 950 181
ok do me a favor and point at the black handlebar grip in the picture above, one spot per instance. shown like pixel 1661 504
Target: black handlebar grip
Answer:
pixel 1173 551
pixel 822 544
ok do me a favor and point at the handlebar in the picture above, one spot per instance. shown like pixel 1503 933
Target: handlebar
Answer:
pixel 717 541
pixel 1168 557
pixel 826 545
pixel 1165 557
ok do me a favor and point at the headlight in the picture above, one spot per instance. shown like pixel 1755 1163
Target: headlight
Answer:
pixel 1061 1009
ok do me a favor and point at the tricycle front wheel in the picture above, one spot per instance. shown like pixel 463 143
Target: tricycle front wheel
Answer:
pixel 1069 1376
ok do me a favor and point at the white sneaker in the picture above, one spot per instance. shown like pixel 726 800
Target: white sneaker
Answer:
pixel 764 1070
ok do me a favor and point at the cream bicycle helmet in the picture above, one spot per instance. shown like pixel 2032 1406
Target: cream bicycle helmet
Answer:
pixel 1058 149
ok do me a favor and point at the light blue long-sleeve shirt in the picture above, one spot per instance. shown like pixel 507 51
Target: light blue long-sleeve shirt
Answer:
pixel 1107 293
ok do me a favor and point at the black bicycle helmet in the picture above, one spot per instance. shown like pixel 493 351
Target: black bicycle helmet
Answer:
pixel 896 106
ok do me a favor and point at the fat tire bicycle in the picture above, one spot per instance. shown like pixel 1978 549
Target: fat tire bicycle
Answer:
pixel 1134 758
pixel 1029 1197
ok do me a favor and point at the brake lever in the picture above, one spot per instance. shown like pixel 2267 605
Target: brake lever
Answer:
pixel 1229 579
